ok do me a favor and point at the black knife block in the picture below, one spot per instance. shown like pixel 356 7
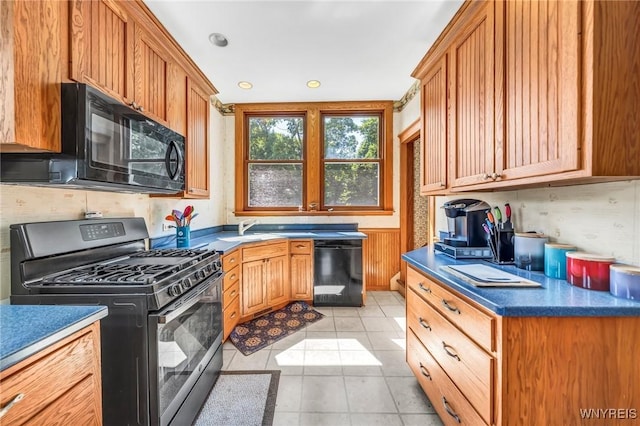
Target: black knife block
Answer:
pixel 501 243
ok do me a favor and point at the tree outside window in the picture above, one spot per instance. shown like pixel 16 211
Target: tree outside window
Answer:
pixel 314 158
pixel 351 162
pixel 275 166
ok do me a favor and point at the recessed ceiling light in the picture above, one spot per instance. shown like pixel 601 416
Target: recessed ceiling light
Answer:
pixel 245 85
pixel 218 39
pixel 313 84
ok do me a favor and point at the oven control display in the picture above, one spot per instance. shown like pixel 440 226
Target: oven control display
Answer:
pixel 101 231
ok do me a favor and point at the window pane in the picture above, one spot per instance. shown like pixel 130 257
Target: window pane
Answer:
pixel 275 185
pixel 276 138
pixel 355 137
pixel 351 184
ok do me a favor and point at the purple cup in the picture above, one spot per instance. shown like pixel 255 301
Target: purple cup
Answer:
pixel 625 281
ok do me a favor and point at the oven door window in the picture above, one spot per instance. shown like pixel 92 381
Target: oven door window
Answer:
pixel 185 338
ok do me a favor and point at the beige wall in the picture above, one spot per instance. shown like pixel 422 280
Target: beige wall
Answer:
pixel 20 204
pixel 598 218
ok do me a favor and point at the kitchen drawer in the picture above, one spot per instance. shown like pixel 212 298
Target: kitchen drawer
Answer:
pixel 264 251
pixel 231 316
pixel 76 407
pixel 230 293
pixel 45 377
pixel 476 324
pixel 448 401
pixel 301 247
pixel 468 365
pixel 229 261
pixel 230 277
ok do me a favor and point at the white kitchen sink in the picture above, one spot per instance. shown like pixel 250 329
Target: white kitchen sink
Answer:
pixel 250 237
pixel 299 234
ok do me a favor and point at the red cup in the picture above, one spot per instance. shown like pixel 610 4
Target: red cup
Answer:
pixel 590 271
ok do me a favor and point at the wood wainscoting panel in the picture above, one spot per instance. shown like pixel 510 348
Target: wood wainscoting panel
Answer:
pixel 380 257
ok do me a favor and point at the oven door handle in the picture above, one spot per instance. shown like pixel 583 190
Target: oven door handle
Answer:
pixel 169 315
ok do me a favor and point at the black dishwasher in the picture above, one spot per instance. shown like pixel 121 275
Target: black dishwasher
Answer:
pixel 337 273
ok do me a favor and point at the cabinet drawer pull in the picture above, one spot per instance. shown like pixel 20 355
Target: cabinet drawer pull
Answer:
pixel 425 372
pixel 495 176
pixel 300 246
pixel 233 277
pixel 233 315
pixel 449 410
pixel 450 307
pixel 423 288
pixel 424 324
pixel 10 404
pixel 451 354
pixel 232 260
pixel 233 293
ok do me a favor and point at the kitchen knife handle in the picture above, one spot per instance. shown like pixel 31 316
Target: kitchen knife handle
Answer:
pixel 490 216
pixel 497 214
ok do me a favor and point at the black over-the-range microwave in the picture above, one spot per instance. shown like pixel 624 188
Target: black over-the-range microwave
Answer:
pixel 106 145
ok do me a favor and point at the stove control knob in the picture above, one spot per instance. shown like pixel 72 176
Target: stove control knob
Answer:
pixel 175 290
pixel 186 283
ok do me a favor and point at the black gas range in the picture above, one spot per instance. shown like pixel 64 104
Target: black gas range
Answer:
pixel 162 340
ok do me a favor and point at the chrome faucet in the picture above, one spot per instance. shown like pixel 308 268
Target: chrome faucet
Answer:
pixel 246 224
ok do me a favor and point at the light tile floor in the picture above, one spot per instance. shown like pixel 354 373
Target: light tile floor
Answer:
pixel 347 369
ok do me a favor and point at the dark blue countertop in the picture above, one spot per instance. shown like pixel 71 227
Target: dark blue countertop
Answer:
pixel 556 298
pixel 27 329
pixel 224 239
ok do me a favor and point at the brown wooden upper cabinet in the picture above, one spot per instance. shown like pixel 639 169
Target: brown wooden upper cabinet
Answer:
pixel 112 49
pixel 433 149
pixel 151 65
pixel 115 46
pixel 30 73
pixel 537 94
pixel 197 177
pixel 109 51
pixel 541 49
pixel 102 47
pixel 471 97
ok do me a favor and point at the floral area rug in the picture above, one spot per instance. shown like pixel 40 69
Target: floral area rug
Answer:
pixel 254 335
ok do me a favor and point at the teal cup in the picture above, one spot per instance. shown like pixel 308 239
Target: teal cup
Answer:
pixel 555 260
pixel 183 237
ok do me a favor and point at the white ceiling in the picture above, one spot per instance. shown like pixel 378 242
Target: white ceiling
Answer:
pixel 359 50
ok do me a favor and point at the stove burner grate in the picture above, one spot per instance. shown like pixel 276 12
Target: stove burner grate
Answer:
pixel 112 274
pixel 171 253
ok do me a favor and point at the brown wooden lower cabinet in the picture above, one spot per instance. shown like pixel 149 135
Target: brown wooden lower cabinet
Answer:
pixel 450 404
pixel 61 385
pixel 231 291
pixel 301 262
pixel 380 257
pixel 265 277
pixel 480 368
